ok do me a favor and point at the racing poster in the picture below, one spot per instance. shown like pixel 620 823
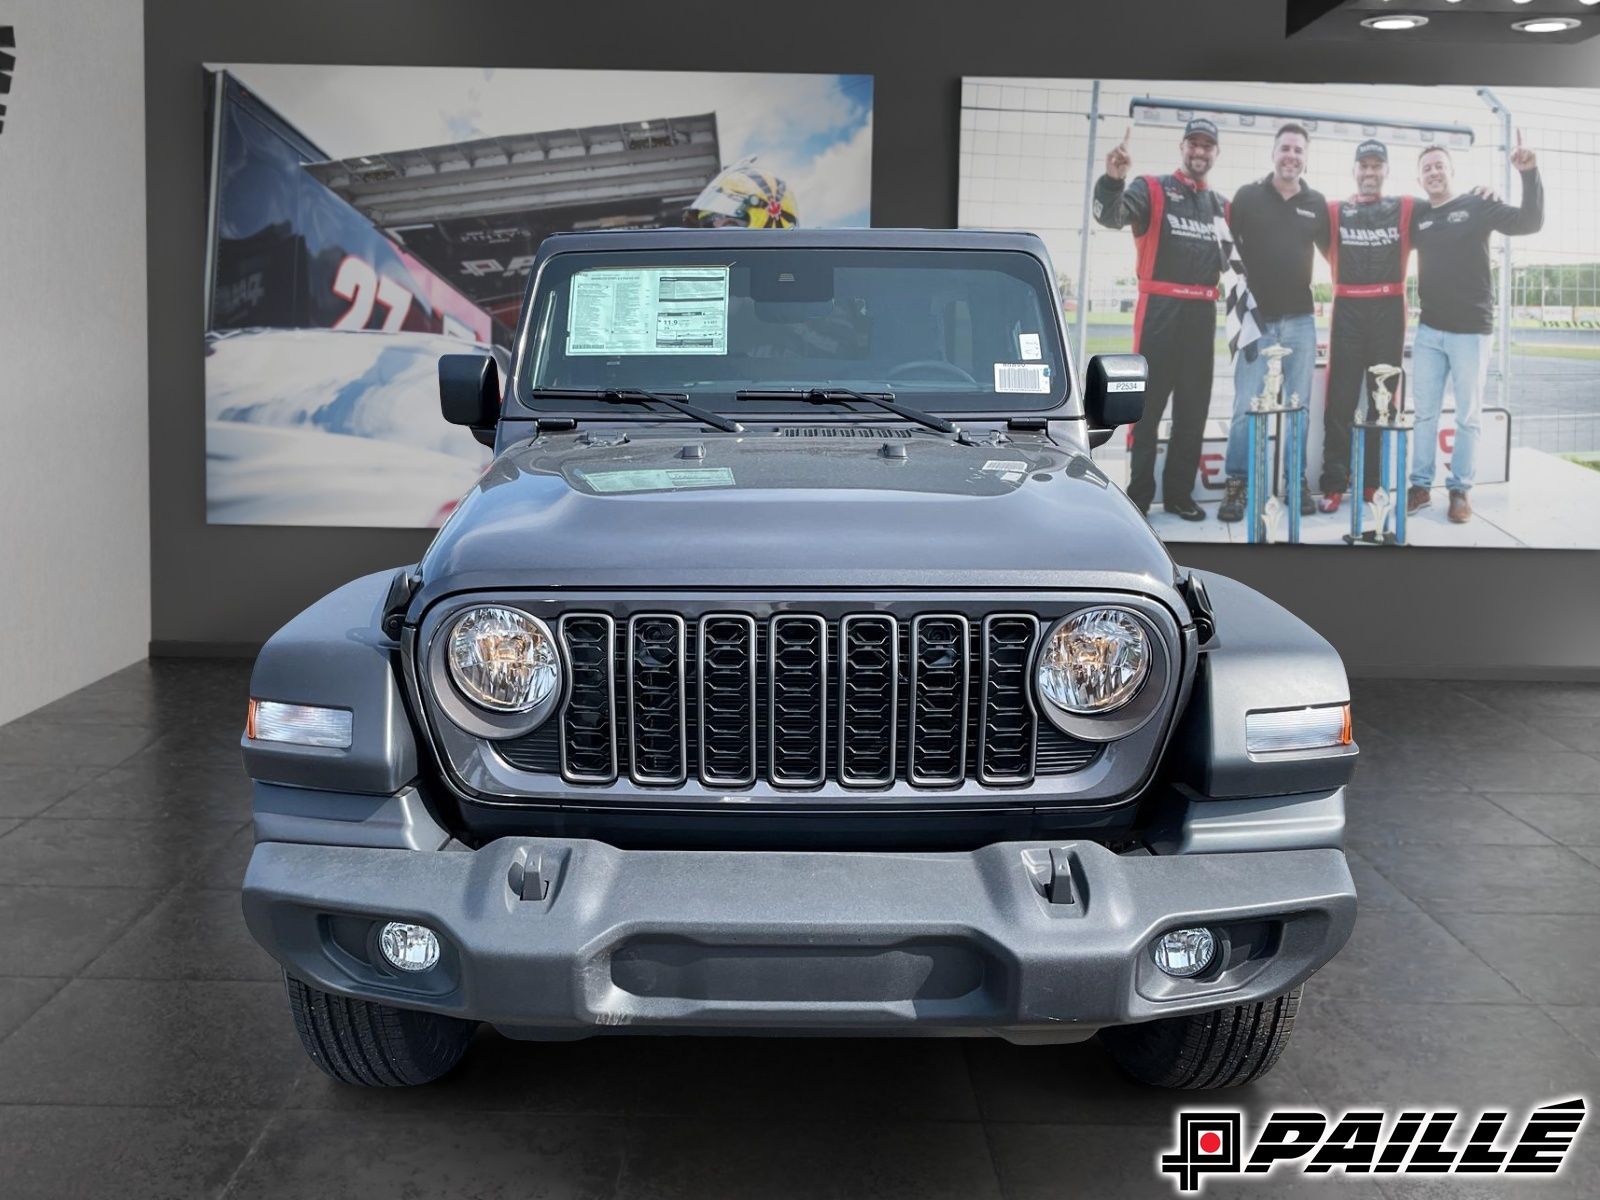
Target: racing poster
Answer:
pixel 365 220
pixel 1371 313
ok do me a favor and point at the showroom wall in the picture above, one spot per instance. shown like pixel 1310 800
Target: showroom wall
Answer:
pixel 225 588
pixel 74 472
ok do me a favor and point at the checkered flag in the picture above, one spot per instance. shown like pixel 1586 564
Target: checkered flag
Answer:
pixel 1244 321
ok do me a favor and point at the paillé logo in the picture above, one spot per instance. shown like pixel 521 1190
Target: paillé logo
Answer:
pixel 1211 1143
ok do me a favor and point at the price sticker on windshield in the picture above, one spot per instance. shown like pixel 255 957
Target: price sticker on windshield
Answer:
pixel 649 310
pixel 1033 378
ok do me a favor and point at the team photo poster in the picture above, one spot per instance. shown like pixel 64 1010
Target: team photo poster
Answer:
pixel 366 220
pixel 1371 313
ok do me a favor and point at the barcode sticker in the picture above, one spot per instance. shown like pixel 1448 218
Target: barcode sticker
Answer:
pixel 1022 377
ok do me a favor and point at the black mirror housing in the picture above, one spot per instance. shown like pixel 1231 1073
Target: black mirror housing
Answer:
pixel 1113 390
pixel 469 391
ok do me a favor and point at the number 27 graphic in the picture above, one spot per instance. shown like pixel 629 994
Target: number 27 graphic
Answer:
pixel 359 282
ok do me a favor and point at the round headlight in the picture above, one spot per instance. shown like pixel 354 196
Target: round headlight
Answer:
pixel 1095 661
pixel 503 659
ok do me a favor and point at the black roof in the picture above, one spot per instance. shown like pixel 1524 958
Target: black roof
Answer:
pixel 809 239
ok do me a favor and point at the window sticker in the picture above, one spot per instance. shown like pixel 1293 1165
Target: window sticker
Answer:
pixel 648 310
pixel 1028 346
pixel 1022 377
pixel 672 479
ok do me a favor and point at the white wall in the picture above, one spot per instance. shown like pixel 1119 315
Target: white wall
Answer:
pixel 74 387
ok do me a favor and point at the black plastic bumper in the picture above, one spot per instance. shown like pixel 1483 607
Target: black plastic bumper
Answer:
pixel 1031 941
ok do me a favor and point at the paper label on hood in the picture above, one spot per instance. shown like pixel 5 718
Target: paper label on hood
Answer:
pixel 648 310
pixel 1022 377
pixel 668 480
pixel 1028 346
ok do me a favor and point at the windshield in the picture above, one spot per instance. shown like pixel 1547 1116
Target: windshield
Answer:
pixel 964 332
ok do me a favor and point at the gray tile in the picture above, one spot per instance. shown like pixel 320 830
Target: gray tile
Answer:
pixel 1550 959
pixel 1531 701
pixel 1571 819
pixel 58 1151
pixel 1575 733
pixel 702 1159
pixel 1589 854
pixel 212 745
pixel 225 867
pixel 1408 956
pixel 1510 879
pixel 59 930
pixel 1080 1085
pixel 1374 893
pixel 1053 1162
pixel 842 1079
pixel 1387 762
pixel 31 741
pixel 1508 770
pixel 189 935
pixel 7 824
pixel 28 791
pixel 20 998
pixel 478 1155
pixel 1386 816
pixel 160 790
pixel 1582 1021
pixel 132 1042
pixel 138 854
pixel 1360 1053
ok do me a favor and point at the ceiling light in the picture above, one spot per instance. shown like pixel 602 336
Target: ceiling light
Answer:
pixel 1398 21
pixel 1547 25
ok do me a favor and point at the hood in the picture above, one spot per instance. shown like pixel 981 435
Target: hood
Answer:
pixel 796 507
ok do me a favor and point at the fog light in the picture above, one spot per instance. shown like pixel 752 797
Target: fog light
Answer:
pixel 409 947
pixel 1184 952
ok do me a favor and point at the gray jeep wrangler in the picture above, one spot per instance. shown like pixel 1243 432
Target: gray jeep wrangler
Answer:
pixel 793 668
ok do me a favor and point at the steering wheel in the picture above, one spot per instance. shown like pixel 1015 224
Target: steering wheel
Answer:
pixel 937 364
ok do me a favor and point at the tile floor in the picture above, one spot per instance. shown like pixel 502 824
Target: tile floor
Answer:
pixel 145 1046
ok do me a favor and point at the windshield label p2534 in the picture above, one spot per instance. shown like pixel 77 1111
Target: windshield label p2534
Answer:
pixel 648 310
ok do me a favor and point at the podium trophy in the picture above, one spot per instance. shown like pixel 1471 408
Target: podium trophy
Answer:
pixel 1388 504
pixel 1264 512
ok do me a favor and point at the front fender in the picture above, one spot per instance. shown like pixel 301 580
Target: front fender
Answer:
pixel 335 654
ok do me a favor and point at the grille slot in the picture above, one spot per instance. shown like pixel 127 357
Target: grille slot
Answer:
pixel 1009 731
pixel 869 693
pixel 588 717
pixel 727 661
pixel 797 701
pixel 658 745
pixel 937 746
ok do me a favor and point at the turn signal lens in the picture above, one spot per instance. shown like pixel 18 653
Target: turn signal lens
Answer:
pixel 299 724
pixel 1325 727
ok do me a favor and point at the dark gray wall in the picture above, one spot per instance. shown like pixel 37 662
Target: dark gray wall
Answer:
pixel 1418 612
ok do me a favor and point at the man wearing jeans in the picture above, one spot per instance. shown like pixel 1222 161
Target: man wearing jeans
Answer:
pixel 1276 222
pixel 1451 234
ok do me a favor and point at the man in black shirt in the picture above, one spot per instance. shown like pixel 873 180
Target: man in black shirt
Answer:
pixel 1276 223
pixel 1454 281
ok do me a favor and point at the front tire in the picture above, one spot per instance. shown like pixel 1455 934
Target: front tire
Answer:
pixel 374 1045
pixel 1221 1049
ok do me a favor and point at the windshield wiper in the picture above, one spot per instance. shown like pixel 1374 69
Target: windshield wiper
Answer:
pixel 834 395
pixel 677 401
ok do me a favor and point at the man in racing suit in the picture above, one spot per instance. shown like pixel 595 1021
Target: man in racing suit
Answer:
pixel 1368 250
pixel 1173 218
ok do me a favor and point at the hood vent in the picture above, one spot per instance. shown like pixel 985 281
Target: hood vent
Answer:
pixel 842 431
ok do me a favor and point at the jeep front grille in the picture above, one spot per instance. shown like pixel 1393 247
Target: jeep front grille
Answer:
pixel 868 700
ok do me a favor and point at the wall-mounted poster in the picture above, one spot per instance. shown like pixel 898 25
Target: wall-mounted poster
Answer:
pixel 366 220
pixel 1371 313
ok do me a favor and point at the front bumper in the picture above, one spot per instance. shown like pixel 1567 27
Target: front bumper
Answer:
pixel 1032 941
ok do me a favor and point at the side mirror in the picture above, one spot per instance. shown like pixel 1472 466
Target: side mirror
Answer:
pixel 469 393
pixel 1113 392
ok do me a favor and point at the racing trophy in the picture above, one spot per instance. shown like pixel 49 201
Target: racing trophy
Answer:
pixel 1264 512
pixel 1388 502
